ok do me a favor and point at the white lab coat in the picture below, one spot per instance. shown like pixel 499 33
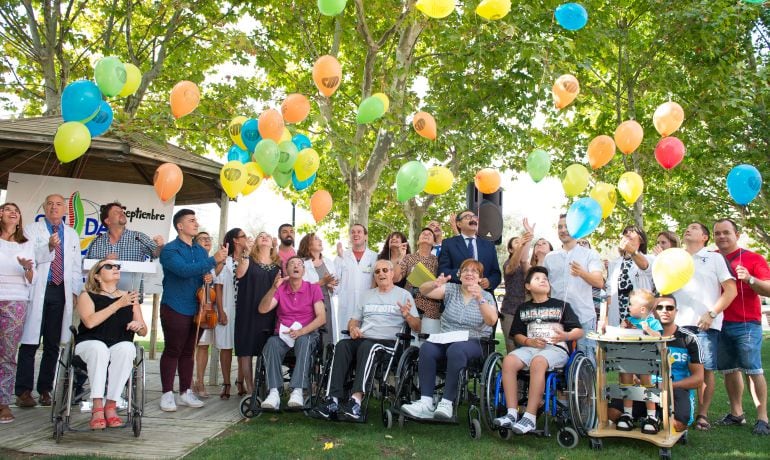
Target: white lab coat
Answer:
pixel 37 232
pixel 355 278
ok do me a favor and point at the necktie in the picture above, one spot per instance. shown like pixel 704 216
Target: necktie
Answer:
pixel 437 248
pixel 470 247
pixel 57 266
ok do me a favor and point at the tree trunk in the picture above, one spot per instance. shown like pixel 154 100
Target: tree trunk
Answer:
pixel 359 200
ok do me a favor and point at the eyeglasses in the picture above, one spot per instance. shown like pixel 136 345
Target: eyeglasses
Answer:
pixel 239 237
pixel 467 216
pixel 204 238
pixel 472 271
pixel 109 267
pixel 667 307
pixel 381 270
pixel 584 243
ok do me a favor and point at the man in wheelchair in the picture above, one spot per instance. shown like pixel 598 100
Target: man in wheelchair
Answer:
pixel 377 320
pixel 541 328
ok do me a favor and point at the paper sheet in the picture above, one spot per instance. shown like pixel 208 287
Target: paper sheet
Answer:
pixel 449 337
pixel 283 333
pixel 420 274
pixel 623 332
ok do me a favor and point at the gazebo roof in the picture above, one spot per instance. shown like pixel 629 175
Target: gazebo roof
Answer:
pixel 26 146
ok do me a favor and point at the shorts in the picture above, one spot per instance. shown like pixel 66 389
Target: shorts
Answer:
pixel 708 343
pixel 740 348
pixel 555 356
pixel 684 407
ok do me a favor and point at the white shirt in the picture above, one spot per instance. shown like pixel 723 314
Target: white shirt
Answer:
pixel 13 282
pixel 355 278
pixel 640 279
pixel 703 290
pixel 573 289
pixel 474 248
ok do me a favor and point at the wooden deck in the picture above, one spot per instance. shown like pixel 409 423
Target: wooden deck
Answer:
pixel 164 434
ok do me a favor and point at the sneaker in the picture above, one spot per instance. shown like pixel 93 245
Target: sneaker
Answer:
pixel 506 421
pixel 352 409
pixel 732 420
pixel 188 398
pixel 650 425
pixel 418 409
pixel 26 400
pixel 443 410
pixel 297 399
pixel 168 402
pixel 272 402
pixel 523 426
pixel 761 428
pixel 327 408
pixel 625 423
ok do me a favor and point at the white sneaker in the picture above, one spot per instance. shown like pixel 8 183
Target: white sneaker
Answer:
pixel 297 399
pixel 506 421
pixel 523 426
pixel 188 398
pixel 418 409
pixel 272 402
pixel 168 402
pixel 443 410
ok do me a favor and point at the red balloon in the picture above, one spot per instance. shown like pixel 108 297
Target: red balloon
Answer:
pixel 669 152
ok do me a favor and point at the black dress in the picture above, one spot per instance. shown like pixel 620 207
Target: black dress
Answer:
pixel 250 324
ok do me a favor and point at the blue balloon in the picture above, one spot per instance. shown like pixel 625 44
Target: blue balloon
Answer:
pixel 301 185
pixel 301 141
pixel 250 134
pixel 583 217
pixel 102 121
pixel 571 16
pixel 80 101
pixel 744 183
pixel 238 154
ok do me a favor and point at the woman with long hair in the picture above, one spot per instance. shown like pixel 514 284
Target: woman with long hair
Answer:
pixel 395 249
pixel 319 270
pixel 541 248
pixel 429 309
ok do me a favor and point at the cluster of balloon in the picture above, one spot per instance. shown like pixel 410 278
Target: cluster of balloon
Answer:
pixel 601 149
pixel 327 74
pixel 493 10
pixel 744 183
pixel 425 125
pixel 574 179
pixel 583 217
pixel 372 108
pixel 487 180
pixel 630 186
pixel 571 16
pixel 436 9
pixel 440 180
pixel 628 136
pixel 668 117
pixel 184 98
pixel 606 196
pixel 167 181
pixel 331 7
pixel 672 270
pixel 320 204
pixel 538 164
pixel 411 179
pixel 565 90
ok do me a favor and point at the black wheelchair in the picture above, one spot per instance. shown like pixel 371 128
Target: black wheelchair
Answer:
pixel 70 368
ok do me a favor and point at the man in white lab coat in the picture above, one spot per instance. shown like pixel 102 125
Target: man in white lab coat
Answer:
pixel 354 272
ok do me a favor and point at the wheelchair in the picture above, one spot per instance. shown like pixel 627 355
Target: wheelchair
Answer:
pixel 575 416
pixel 69 367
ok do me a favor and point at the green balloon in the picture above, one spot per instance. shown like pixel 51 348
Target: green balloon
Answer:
pixel 331 7
pixel 410 180
pixel 282 179
pixel 110 75
pixel 538 164
pixel 287 156
pixel 267 154
pixel 370 109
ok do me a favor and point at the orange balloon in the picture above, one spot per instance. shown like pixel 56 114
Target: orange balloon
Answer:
pixel 295 108
pixel 167 181
pixel 487 180
pixel 668 117
pixel 600 151
pixel 185 97
pixel 628 136
pixel 327 74
pixel 425 125
pixel 270 125
pixel 320 204
pixel 565 90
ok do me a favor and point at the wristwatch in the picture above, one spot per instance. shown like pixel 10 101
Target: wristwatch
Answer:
pixel 751 280
pixel 712 314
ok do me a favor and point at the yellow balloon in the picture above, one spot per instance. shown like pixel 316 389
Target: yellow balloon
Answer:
pixel 492 10
pixel 605 194
pixel 72 140
pixel 440 180
pixel 233 178
pixel 630 186
pixel 436 9
pixel 234 129
pixel 286 136
pixel 384 98
pixel 672 270
pixel 133 80
pixel 307 164
pixel 575 179
pixel 254 176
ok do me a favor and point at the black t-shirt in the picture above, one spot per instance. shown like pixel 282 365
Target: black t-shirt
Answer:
pixel 533 316
pixel 113 329
pixel 682 351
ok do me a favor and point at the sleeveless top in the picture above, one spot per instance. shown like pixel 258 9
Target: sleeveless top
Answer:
pixel 113 329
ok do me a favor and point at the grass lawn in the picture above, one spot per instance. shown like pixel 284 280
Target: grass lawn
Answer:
pixel 296 436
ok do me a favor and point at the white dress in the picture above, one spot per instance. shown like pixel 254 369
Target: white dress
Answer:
pixel 224 335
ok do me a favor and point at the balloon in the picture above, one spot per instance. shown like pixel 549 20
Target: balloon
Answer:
pixel 669 152
pixel 538 164
pixel 101 122
pixel 167 181
pixel 628 136
pixel 370 109
pixel 295 108
pixel 80 101
pixel 630 186
pixel 583 217
pixel 307 164
pixel 331 7
pixel 439 181
pixel 237 154
pixel 72 139
pixel 487 180
pixel 270 125
pixel 250 134
pixel 281 178
pixel 233 178
pixel 287 156
pixel 672 270
pixel 301 185
pixel 234 130
pixel 425 125
pixel 571 16
pixel 668 117
pixel 327 74
pixel 267 154
pixel 492 10
pixel 286 136
pixel 600 151
pixel 574 179
pixel 410 180
pixel 384 98
pixel 185 97
pixel 605 195
pixel 744 183
pixel 254 176
pixel 320 204
pixel 133 80
pixel 565 90
pixel 436 9
pixel 301 141
pixel 110 75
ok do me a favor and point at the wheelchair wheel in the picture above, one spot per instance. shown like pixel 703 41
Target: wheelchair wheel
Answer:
pixel 58 430
pixel 136 425
pixel 504 433
pixel 387 418
pixel 492 400
pixel 475 428
pixel 407 383
pixel 61 382
pixel 582 394
pixel 139 388
pixel 567 437
pixel 249 410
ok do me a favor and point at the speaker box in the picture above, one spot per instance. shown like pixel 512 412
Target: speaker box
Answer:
pixel 489 208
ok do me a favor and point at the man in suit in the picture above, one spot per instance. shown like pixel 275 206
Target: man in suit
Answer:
pixel 467 245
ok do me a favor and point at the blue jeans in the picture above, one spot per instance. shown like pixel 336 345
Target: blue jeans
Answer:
pixel 586 345
pixel 740 347
pixel 708 342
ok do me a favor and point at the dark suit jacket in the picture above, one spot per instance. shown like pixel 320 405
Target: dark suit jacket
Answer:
pixel 454 251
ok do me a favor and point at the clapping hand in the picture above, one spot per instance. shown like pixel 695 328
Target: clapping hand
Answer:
pixel 475 291
pixel 27 264
pixel 441 280
pixel 340 249
pixel 405 308
pixel 53 241
pixel 129 298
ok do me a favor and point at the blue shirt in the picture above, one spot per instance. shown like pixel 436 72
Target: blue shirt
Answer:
pixel 650 320
pixel 60 231
pixel 183 270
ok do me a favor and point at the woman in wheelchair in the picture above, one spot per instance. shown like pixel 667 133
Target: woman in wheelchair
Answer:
pixel 300 312
pixel 109 318
pixel 467 308
pixel 541 328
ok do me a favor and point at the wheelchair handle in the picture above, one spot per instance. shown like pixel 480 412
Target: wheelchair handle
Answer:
pixel 422 336
pixel 74 330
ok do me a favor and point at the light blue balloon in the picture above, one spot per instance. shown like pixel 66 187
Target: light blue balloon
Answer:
pixel 250 134
pixel 744 183
pixel 583 217
pixel 238 154
pixel 301 141
pixel 571 16
pixel 102 121
pixel 80 101
pixel 302 185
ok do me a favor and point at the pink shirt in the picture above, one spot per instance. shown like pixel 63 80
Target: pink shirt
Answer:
pixel 285 256
pixel 297 306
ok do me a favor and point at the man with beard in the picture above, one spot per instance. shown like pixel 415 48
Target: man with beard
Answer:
pixel 467 245
pixel 120 243
pixel 286 248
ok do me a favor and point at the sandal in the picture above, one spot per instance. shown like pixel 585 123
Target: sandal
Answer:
pixel 702 423
pixel 241 389
pixel 200 389
pixel 6 416
pixel 225 394
pixel 97 423
pixel 114 421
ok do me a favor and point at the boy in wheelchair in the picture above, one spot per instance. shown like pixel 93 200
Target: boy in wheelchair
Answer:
pixel 541 328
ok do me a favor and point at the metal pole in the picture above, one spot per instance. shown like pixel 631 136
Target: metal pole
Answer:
pixel 293 214
pixel 224 207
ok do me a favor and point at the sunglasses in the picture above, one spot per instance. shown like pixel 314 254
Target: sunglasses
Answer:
pixel 381 270
pixel 667 307
pixel 109 267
